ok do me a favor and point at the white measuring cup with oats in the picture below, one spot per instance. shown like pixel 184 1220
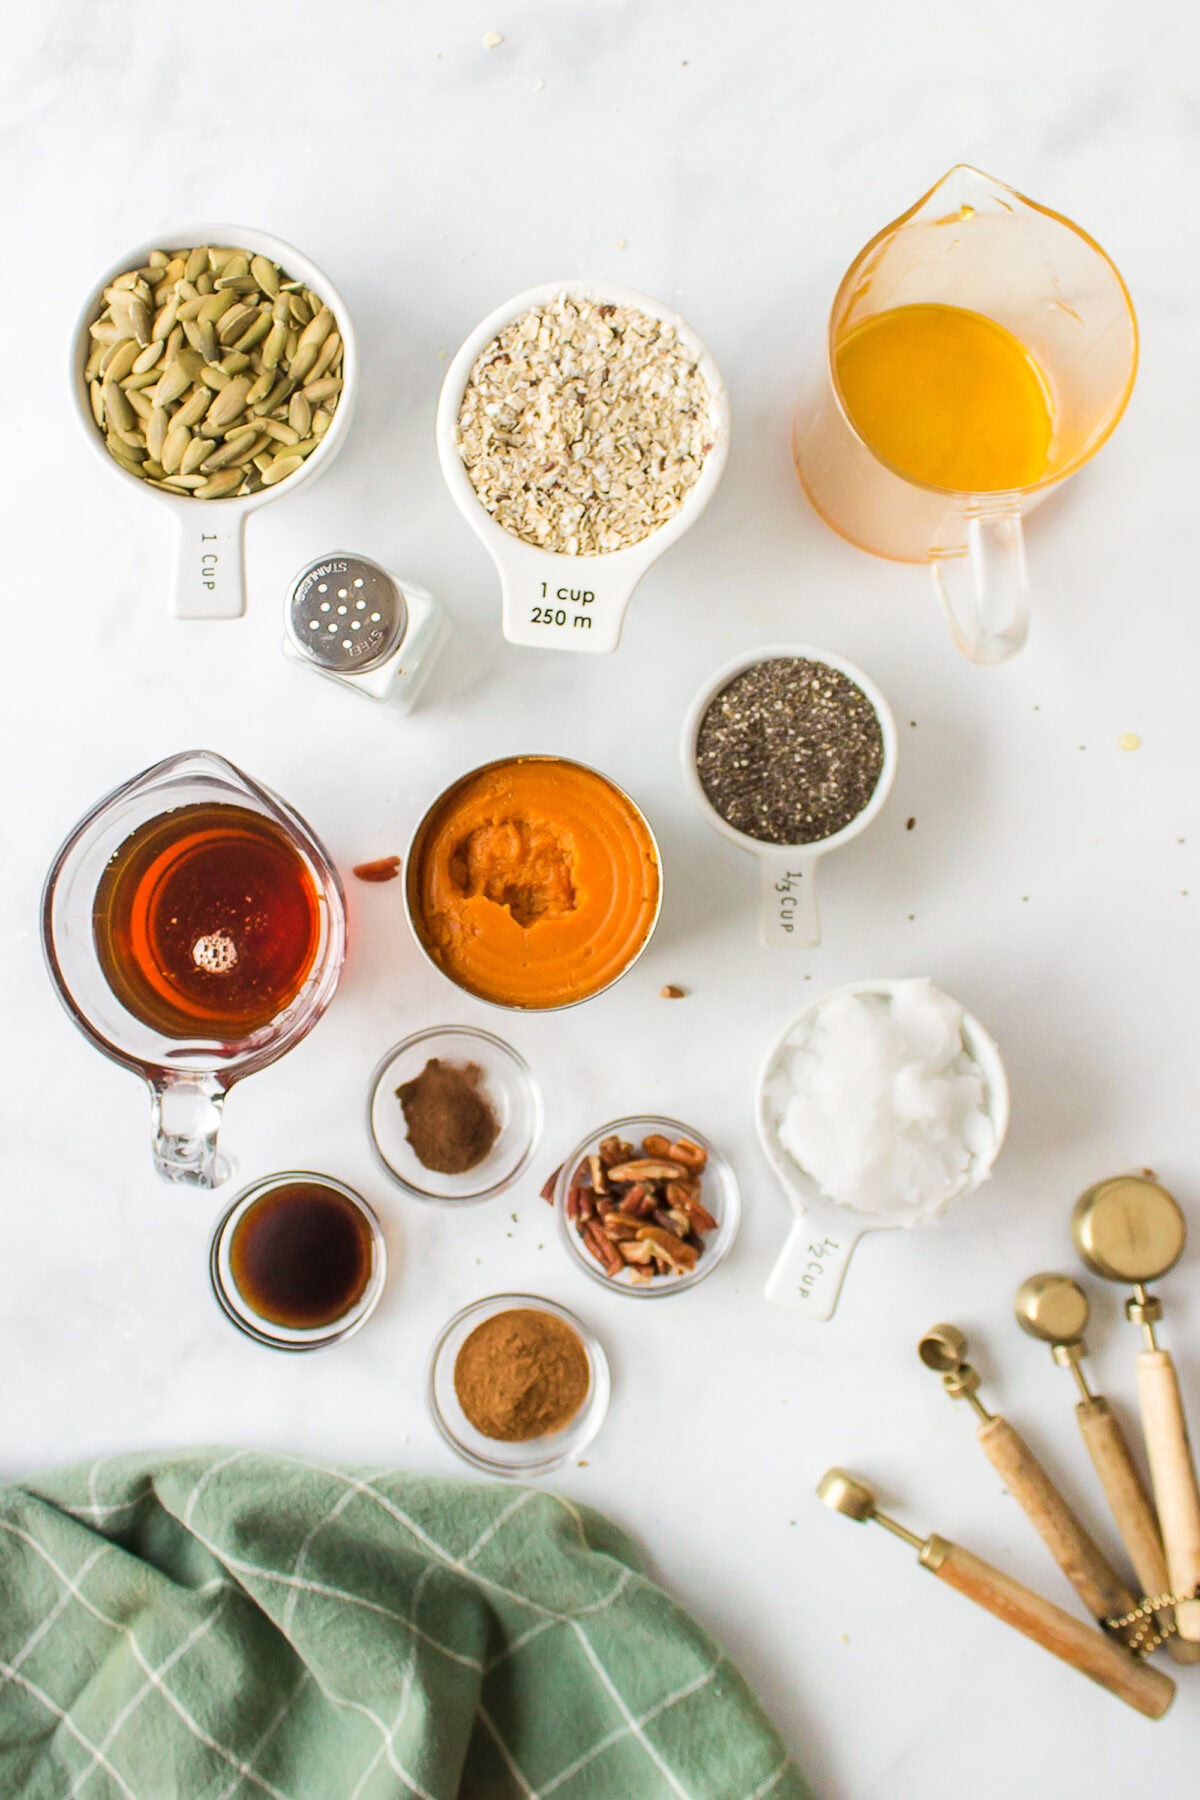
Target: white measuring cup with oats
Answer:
pixel 787 909
pixel 582 429
pixel 210 576
pixel 893 1096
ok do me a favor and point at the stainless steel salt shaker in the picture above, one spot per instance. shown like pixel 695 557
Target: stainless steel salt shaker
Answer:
pixel 350 619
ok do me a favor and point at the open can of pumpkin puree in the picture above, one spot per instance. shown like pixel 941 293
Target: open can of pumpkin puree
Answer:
pixel 533 883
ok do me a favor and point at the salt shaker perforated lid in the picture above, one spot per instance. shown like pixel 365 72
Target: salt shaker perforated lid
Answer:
pixel 349 618
pixel 346 613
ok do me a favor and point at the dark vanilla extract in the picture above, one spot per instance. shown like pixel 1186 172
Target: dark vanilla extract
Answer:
pixel 301 1255
pixel 207 921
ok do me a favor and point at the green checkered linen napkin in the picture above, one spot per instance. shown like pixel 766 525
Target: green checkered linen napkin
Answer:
pixel 223 1625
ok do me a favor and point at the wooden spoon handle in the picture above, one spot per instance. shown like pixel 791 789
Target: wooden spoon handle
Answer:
pixel 1081 1560
pixel 1132 1508
pixel 1173 1473
pixel 1073 1642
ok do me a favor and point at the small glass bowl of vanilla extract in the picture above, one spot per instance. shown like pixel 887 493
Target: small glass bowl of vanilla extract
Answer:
pixel 298 1261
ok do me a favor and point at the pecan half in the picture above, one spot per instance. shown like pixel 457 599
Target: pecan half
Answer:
pixel 648 1168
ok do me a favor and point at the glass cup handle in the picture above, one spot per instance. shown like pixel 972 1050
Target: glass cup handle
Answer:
pixel 985 593
pixel 185 1116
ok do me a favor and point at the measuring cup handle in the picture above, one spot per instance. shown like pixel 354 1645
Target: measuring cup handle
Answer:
pixel 985 593
pixel 787 909
pixel 808 1276
pixel 185 1113
pixel 210 571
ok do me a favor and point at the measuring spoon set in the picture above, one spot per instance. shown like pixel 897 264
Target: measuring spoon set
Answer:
pixel 1132 1231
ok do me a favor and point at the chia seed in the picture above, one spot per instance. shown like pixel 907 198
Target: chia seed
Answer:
pixel 790 751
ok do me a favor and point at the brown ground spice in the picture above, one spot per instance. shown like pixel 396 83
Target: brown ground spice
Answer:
pixel 451 1125
pixel 521 1374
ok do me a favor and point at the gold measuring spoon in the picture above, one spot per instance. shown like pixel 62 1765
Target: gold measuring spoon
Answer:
pixel 1080 1558
pixel 1131 1229
pixel 1055 1310
pixel 1068 1638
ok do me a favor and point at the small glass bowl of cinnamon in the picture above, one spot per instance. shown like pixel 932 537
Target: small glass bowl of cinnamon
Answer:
pixel 454 1114
pixel 530 1374
pixel 704 1247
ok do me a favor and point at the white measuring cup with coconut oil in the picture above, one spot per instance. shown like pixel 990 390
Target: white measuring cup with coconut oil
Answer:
pixel 210 573
pixel 808 1276
pixel 787 882
pixel 549 600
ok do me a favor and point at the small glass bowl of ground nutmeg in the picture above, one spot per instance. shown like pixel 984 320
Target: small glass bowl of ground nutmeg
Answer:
pixel 641 1219
pixel 518 1386
pixel 454 1114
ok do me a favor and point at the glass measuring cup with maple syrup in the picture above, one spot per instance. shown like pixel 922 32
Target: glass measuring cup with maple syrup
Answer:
pixel 195 930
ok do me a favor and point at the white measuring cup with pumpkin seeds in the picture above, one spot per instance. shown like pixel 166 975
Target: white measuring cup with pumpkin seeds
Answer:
pixel 550 600
pixel 787 873
pixel 209 579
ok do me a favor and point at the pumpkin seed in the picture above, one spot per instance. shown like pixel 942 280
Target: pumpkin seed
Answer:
pixel 275 344
pixel 280 469
pixel 282 434
pixel 96 396
pixel 194 455
pixel 140 403
pixel 322 420
pixel 117 411
pixel 229 402
pixel 157 426
pixel 301 363
pixel 215 306
pixel 202 336
pixel 186 482
pixel 255 333
pixel 219 486
pixel 331 351
pixel 235 322
pixel 142 319
pixel 234 362
pixel 266 273
pixel 147 358
pixel 299 415
pixel 317 392
pixel 194 407
pixel 175 448
pixel 158 259
pixel 119 359
pixel 197 262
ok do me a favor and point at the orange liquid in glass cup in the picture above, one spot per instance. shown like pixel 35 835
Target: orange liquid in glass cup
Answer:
pixel 979 351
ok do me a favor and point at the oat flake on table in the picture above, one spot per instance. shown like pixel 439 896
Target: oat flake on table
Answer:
pixel 584 425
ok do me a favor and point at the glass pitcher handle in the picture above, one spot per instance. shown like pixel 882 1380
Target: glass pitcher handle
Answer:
pixel 185 1116
pixel 985 592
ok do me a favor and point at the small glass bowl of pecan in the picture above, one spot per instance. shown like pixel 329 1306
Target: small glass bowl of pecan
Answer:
pixel 647 1206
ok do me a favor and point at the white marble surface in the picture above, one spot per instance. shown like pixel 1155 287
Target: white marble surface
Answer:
pixel 730 159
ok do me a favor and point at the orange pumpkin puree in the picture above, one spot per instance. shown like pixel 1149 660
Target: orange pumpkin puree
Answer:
pixel 533 882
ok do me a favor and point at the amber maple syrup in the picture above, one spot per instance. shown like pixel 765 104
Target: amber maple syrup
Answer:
pixel 207 921
pixel 301 1256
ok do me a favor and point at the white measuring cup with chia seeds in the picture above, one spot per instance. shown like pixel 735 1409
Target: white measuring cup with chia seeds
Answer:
pixel 210 576
pixel 789 752
pixel 559 599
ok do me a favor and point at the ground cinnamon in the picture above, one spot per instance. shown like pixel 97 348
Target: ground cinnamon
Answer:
pixel 521 1374
pixel 451 1123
